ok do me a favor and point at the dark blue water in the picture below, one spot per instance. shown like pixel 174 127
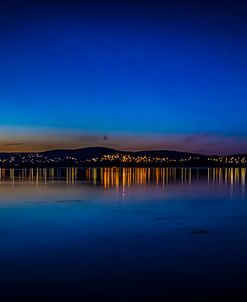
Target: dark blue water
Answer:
pixel 123 234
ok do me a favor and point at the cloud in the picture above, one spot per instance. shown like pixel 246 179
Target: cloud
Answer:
pixel 93 137
pixel 14 144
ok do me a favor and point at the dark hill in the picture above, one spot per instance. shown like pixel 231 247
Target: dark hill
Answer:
pixel 81 154
pixel 91 152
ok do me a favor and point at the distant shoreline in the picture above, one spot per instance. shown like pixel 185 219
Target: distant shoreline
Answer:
pixel 105 157
pixel 120 166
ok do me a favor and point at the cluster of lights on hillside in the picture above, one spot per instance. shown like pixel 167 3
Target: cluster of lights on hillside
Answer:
pixel 122 158
pixel 20 159
pixel 126 158
pixel 238 160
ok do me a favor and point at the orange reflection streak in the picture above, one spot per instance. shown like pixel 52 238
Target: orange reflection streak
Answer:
pixel 232 176
pixel 237 176
pixel 220 175
pixel 243 176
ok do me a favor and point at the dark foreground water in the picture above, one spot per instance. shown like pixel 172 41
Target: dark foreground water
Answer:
pixel 123 234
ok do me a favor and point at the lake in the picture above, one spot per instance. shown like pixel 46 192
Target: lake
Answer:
pixel 123 234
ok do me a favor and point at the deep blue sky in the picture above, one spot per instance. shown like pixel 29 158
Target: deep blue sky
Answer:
pixel 173 70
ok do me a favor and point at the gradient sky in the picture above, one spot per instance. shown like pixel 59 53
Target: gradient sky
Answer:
pixel 130 75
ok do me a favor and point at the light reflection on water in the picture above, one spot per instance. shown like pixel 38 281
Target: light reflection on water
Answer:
pixel 116 177
pixel 122 233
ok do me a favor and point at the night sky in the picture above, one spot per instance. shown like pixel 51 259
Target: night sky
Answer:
pixel 129 75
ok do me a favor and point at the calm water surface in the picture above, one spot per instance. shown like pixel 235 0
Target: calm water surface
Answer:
pixel 123 234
